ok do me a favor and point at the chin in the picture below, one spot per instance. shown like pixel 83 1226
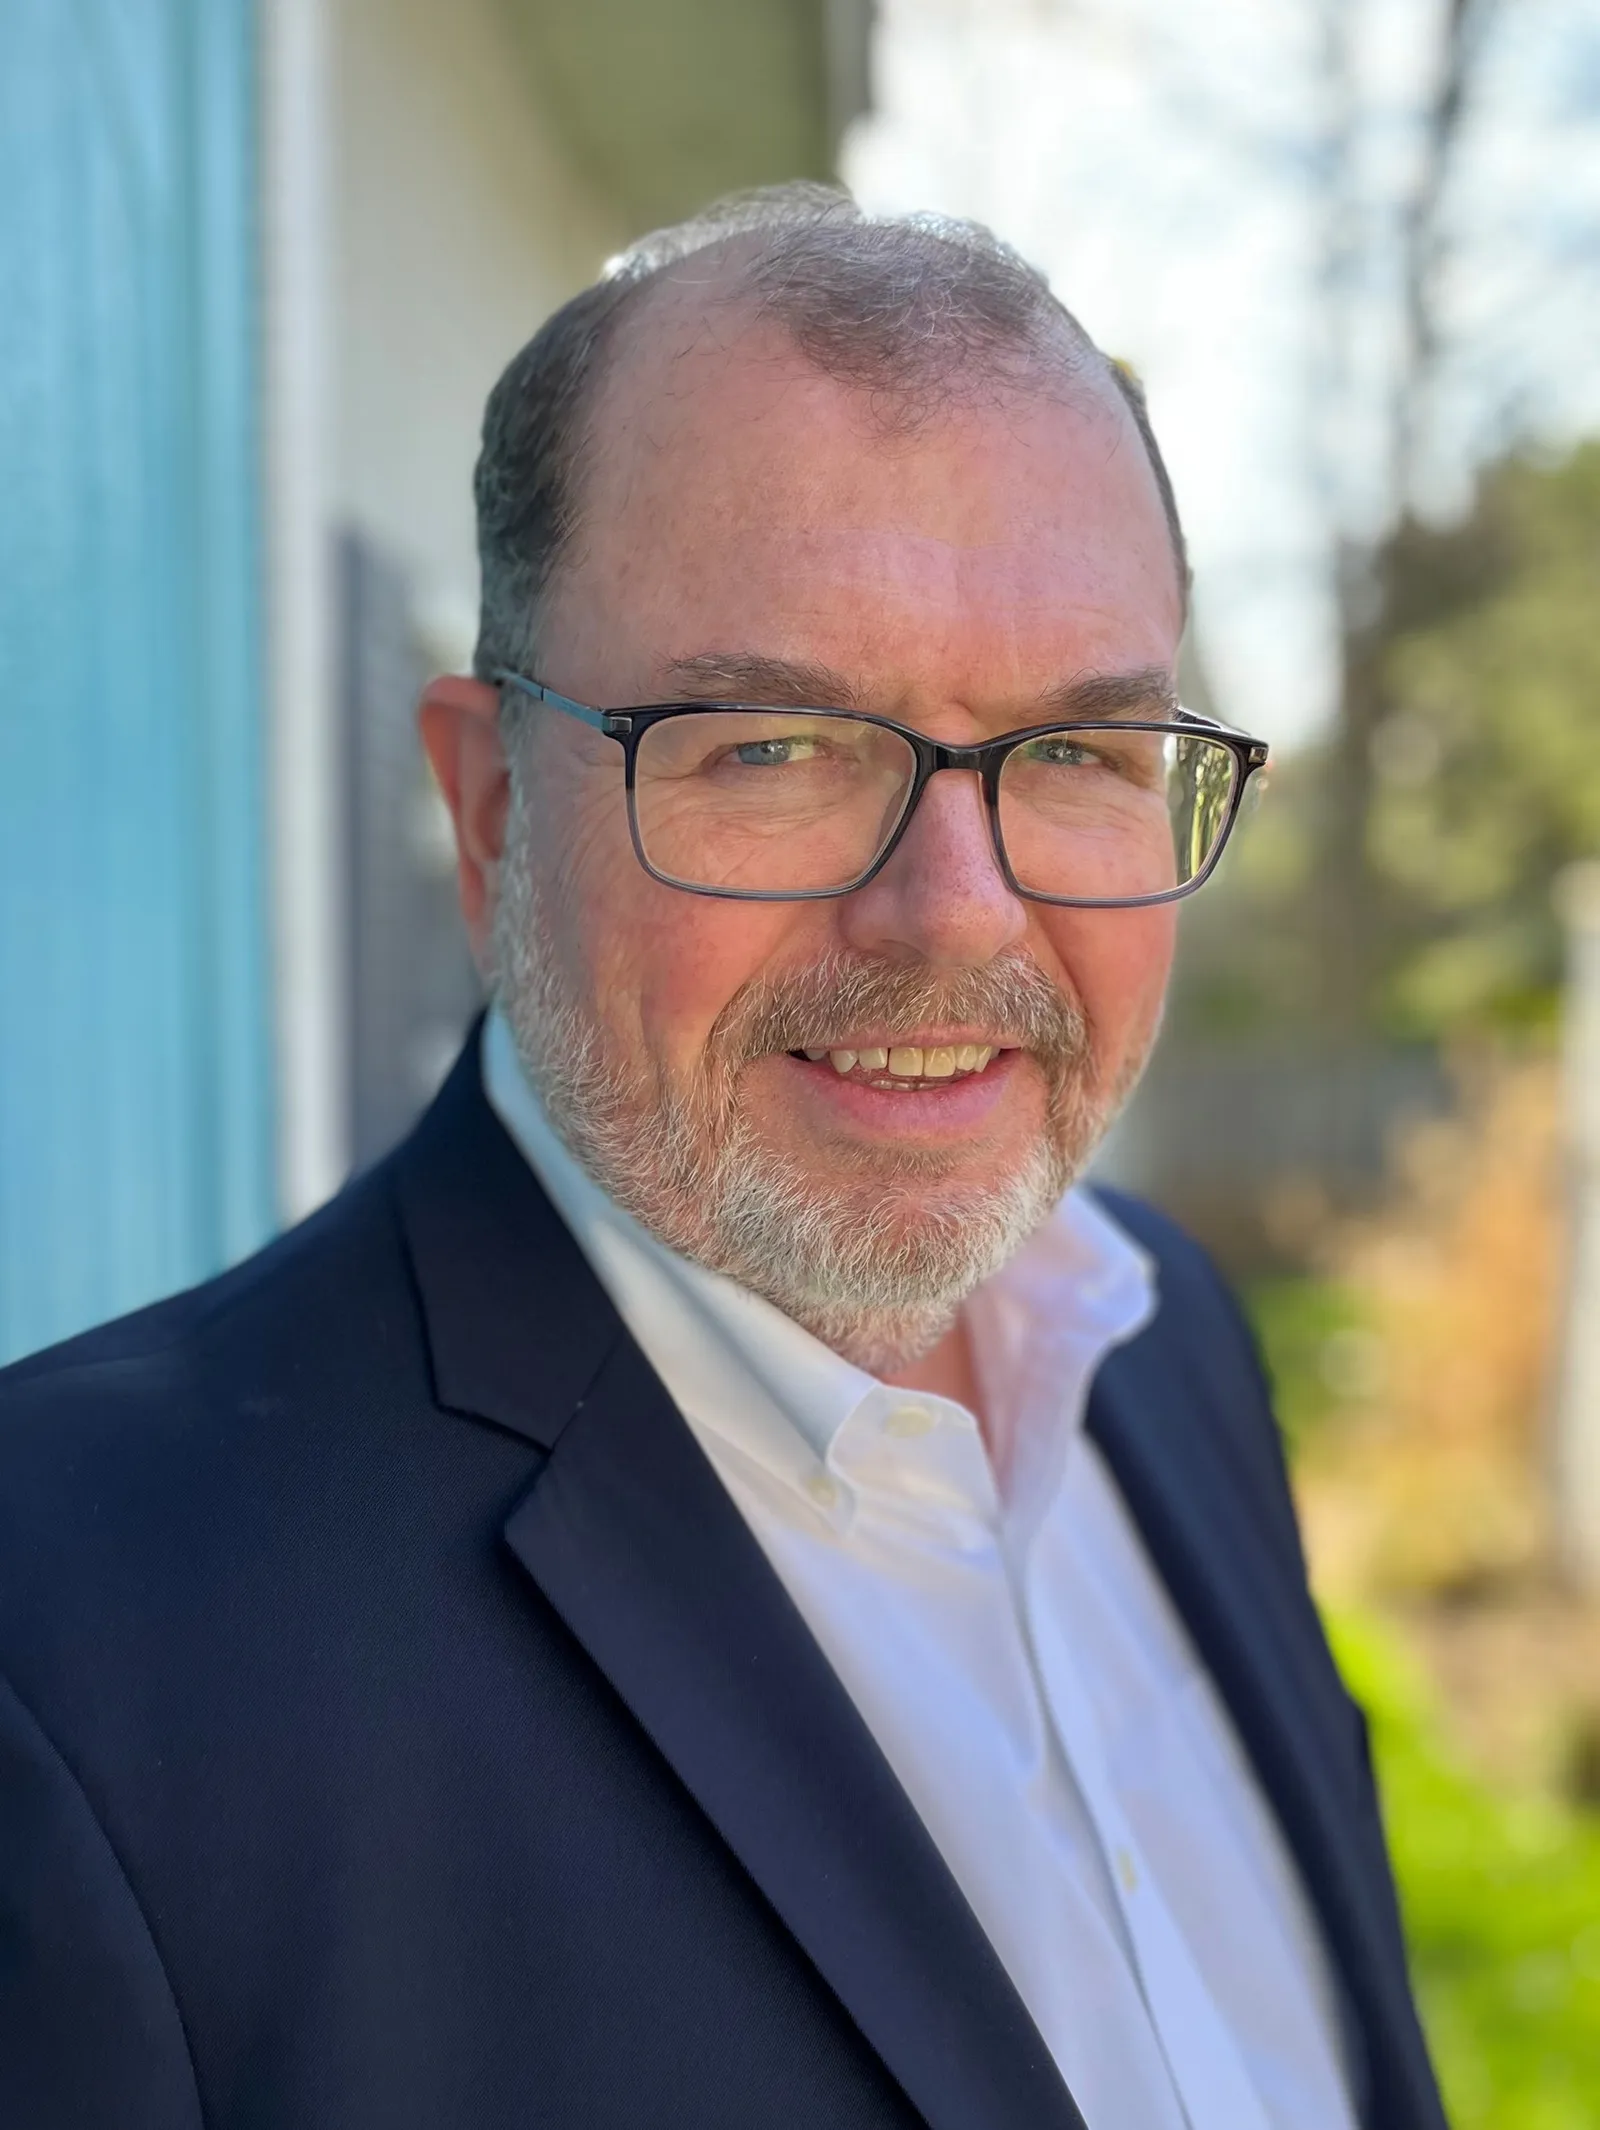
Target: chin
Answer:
pixel 846 1244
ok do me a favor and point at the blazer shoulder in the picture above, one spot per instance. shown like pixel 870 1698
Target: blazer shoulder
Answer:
pixel 251 1320
pixel 1202 1318
pixel 1165 1238
pixel 1192 1284
pixel 1196 1296
pixel 150 1469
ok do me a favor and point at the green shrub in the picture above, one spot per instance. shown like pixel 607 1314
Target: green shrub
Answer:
pixel 1315 1337
pixel 1502 1906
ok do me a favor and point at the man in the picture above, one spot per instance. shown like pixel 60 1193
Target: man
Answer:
pixel 712 1588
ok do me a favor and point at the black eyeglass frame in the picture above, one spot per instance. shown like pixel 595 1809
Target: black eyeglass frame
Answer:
pixel 628 727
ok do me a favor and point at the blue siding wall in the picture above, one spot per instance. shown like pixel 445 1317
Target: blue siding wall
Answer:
pixel 135 1141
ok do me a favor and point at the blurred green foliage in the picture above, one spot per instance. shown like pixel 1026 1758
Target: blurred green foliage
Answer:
pixel 1488 762
pixel 1315 1337
pixel 1470 735
pixel 1502 1907
pixel 1476 671
pixel 1500 1887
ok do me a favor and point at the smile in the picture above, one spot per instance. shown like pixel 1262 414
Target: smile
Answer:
pixel 905 1065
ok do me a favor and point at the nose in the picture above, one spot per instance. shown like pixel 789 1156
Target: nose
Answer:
pixel 942 897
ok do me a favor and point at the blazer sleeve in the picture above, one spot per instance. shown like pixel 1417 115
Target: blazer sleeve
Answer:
pixel 90 2033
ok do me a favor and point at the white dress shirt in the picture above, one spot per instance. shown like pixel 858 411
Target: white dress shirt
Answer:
pixel 1015 1655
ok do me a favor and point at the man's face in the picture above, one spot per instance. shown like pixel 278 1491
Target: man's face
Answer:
pixel 751 534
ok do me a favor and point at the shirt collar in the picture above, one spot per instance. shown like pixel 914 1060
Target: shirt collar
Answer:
pixel 731 1360
pixel 737 1365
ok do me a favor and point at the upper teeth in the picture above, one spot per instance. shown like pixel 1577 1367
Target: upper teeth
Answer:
pixel 910 1061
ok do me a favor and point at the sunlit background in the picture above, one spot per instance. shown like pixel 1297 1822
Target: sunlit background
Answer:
pixel 259 264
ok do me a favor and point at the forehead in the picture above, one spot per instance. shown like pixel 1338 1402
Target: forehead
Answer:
pixel 736 498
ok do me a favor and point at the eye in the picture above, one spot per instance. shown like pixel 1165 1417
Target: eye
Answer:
pixel 778 753
pixel 1059 751
pixel 1133 757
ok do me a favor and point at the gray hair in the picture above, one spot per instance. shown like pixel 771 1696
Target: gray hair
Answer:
pixel 906 308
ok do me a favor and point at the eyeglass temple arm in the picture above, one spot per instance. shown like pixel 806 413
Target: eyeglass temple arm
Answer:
pixel 1257 750
pixel 599 720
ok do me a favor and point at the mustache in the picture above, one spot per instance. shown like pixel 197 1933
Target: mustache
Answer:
pixel 816 1007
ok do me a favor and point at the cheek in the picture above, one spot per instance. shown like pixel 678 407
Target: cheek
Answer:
pixel 691 955
pixel 658 965
pixel 1117 963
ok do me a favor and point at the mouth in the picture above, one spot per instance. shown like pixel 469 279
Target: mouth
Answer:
pixel 907 1064
pixel 948 1091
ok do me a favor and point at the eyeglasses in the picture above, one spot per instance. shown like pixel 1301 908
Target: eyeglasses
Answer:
pixel 771 805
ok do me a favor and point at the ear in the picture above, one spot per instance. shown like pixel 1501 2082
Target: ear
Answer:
pixel 460 723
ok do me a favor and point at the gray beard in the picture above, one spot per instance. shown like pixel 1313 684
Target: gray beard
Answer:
pixel 877 1265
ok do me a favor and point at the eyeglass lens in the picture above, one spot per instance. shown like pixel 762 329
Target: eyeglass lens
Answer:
pixel 776 802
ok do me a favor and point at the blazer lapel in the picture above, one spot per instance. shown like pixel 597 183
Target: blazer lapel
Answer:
pixel 632 1538
pixel 1259 1638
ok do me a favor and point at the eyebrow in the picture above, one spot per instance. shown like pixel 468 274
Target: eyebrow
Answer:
pixel 750 677
pixel 1148 691
pixel 747 677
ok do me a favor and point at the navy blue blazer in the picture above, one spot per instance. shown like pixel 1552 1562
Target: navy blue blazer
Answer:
pixel 400 1729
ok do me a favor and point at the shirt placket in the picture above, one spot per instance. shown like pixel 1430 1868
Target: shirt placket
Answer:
pixel 1213 2086
pixel 958 1521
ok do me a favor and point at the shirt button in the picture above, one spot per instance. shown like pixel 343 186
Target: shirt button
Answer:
pixel 822 1490
pixel 1127 1871
pixel 909 1420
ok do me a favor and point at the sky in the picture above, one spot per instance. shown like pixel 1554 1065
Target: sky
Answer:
pixel 1161 165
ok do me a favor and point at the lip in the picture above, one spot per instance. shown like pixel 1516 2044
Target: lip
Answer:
pixel 928 1113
